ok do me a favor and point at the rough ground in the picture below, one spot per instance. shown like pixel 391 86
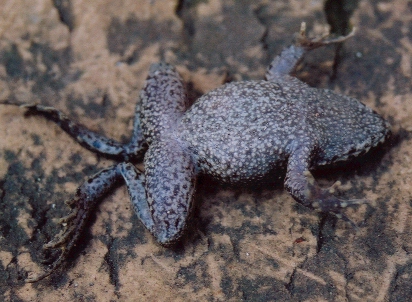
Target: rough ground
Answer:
pixel 90 58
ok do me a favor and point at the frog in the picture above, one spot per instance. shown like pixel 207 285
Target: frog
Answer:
pixel 237 133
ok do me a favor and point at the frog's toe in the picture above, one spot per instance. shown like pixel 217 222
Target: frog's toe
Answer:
pixel 345 218
pixel 67 218
pixel 333 188
pixel 352 202
pixel 71 223
pixel 35 278
pixel 325 201
pixel 61 238
pixel 328 203
pixel 348 203
pixel 303 41
pixel 59 241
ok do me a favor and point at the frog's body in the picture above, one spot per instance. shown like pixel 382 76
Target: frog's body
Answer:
pixel 247 135
pixel 238 132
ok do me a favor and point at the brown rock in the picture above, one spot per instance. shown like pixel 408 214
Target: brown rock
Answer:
pixel 90 58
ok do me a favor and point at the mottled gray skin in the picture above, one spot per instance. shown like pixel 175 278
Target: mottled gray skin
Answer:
pixel 239 132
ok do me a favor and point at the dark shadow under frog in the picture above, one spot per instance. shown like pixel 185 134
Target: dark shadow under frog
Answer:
pixel 235 133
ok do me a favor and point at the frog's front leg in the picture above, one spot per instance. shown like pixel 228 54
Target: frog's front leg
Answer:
pixel 162 197
pixel 90 139
pixel 283 64
pixel 300 183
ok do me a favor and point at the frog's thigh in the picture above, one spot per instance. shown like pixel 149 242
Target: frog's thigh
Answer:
pixel 163 197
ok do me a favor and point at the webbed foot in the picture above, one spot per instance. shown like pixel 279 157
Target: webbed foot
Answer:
pixel 74 223
pixel 82 206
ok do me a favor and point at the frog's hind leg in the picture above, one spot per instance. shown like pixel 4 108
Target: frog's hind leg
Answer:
pixel 300 183
pixel 162 197
pixel 283 64
pixel 90 139
pixel 82 205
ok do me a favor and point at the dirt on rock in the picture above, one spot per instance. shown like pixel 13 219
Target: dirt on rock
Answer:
pixel 90 59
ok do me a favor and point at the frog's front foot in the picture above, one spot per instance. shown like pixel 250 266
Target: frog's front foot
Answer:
pixel 323 200
pixel 301 184
pixel 301 39
pixel 283 64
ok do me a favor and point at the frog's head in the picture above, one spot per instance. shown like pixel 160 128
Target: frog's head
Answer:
pixel 167 239
pixel 349 129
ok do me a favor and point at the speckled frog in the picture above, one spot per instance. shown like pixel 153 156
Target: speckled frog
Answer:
pixel 238 132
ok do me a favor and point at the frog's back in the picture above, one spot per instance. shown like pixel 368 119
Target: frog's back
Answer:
pixel 242 130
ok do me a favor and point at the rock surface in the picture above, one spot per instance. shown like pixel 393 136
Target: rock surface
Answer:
pixel 90 58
